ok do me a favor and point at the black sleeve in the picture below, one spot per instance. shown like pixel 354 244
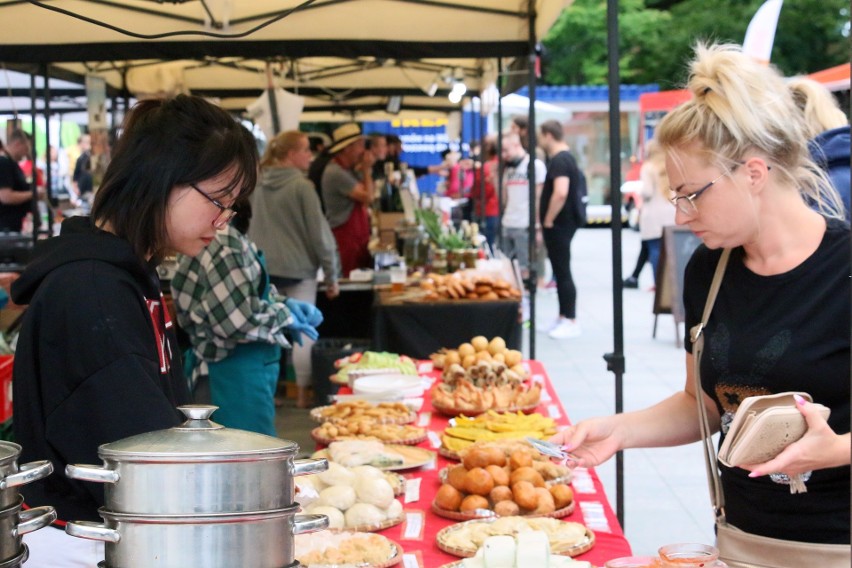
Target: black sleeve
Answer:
pixel 562 165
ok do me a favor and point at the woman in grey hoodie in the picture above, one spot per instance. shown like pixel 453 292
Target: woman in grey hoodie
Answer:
pixel 289 226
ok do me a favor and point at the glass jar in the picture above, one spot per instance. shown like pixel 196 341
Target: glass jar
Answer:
pixel 455 259
pixel 689 555
pixel 632 562
pixel 439 261
pixel 470 256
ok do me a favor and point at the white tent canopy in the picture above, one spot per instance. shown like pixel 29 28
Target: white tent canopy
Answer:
pixel 338 51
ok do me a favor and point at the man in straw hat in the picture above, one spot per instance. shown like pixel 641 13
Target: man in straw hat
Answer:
pixel 347 190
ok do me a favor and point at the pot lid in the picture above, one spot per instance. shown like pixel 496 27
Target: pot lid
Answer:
pixel 198 439
pixel 9 451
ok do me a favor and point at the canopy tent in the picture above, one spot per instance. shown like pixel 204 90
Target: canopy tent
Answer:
pixel 320 48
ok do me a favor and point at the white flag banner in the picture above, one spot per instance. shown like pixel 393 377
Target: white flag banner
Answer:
pixel 289 108
pixel 760 34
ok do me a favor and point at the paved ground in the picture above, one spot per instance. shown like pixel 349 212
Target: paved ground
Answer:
pixel 665 494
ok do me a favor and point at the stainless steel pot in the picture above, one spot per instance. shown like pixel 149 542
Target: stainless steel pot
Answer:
pixel 14 523
pixel 258 540
pixel 197 468
pixel 17 561
pixel 12 476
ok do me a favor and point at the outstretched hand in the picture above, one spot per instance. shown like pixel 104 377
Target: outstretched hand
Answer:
pixel 591 441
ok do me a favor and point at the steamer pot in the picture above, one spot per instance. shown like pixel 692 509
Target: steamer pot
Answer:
pixel 197 468
pixel 261 539
pixel 12 476
pixel 19 559
pixel 14 523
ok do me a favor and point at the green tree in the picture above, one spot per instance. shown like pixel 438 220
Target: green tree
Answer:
pixel 656 38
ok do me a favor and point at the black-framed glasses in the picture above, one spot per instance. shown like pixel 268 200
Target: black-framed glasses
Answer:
pixel 686 203
pixel 225 213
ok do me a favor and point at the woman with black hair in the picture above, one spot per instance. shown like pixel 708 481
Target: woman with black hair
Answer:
pixel 96 360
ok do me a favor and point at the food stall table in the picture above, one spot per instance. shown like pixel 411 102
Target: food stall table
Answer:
pixel 418 328
pixel 417 535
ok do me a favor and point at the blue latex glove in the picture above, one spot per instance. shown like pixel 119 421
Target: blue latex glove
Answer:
pixel 304 312
pixel 297 329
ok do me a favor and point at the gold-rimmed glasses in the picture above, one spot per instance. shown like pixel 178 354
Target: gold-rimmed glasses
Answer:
pixel 225 213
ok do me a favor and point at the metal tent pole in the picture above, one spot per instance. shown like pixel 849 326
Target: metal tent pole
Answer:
pixel 615 360
pixel 36 224
pixel 499 235
pixel 533 278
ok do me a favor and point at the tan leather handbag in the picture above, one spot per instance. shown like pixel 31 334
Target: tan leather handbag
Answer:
pixel 737 548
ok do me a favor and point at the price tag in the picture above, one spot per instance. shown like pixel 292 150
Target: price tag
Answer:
pixel 412 490
pixel 412 560
pixel 594 516
pixel 425 367
pixel 415 524
pixel 553 411
pixel 582 481
pixel 434 439
pixel 545 396
pixel 424 419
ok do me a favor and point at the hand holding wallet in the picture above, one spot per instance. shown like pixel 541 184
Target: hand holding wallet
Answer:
pixel 763 426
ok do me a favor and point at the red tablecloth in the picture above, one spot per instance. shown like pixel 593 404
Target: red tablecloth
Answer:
pixel 592 507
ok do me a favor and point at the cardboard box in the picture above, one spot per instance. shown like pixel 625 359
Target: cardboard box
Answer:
pixel 389 221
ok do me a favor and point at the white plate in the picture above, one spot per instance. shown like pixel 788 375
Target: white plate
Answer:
pixel 409 386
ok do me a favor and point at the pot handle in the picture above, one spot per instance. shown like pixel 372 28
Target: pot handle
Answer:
pixel 34 519
pixel 309 523
pixel 27 473
pixel 307 467
pixel 92 531
pixel 96 473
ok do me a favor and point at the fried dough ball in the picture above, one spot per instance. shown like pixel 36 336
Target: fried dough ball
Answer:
pixel 500 493
pixel 480 343
pixel 478 482
pixel 466 349
pixel 456 476
pixel 498 474
pixel 476 457
pixel 472 503
pixel 562 495
pixel 497 345
pixel 545 504
pixel 520 458
pixel 507 508
pixel 495 456
pixel 526 474
pixel 448 498
pixel 524 495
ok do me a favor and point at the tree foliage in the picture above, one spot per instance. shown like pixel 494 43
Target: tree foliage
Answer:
pixel 656 38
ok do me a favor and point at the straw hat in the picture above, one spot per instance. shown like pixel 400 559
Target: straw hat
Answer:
pixel 343 136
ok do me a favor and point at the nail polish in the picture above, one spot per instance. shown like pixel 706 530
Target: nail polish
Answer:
pixel 755 474
pixel 799 400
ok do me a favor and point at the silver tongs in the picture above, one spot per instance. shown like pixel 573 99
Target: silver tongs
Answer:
pixel 552 450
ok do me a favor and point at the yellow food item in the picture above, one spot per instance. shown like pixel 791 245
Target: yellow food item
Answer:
pixel 497 345
pixel 526 474
pixel 466 349
pixel 506 508
pixel 480 343
pixel 500 493
pixel 476 458
pixel 545 504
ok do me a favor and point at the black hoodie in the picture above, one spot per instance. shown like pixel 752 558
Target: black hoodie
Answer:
pixel 94 361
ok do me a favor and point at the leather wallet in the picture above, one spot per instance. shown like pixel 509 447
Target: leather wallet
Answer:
pixel 763 426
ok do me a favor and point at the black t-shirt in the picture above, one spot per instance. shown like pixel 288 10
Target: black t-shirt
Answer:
pixel 771 334
pixel 12 176
pixel 563 164
pixel 83 173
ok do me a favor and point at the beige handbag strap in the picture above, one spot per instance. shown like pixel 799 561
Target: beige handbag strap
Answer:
pixel 717 497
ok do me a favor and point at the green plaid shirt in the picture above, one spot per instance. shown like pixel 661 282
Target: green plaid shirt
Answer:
pixel 217 301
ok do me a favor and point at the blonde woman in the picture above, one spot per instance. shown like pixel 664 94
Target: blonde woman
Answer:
pixel 828 129
pixel 738 163
pixel 289 226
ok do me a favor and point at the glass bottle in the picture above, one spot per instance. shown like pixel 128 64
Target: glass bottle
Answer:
pixel 632 562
